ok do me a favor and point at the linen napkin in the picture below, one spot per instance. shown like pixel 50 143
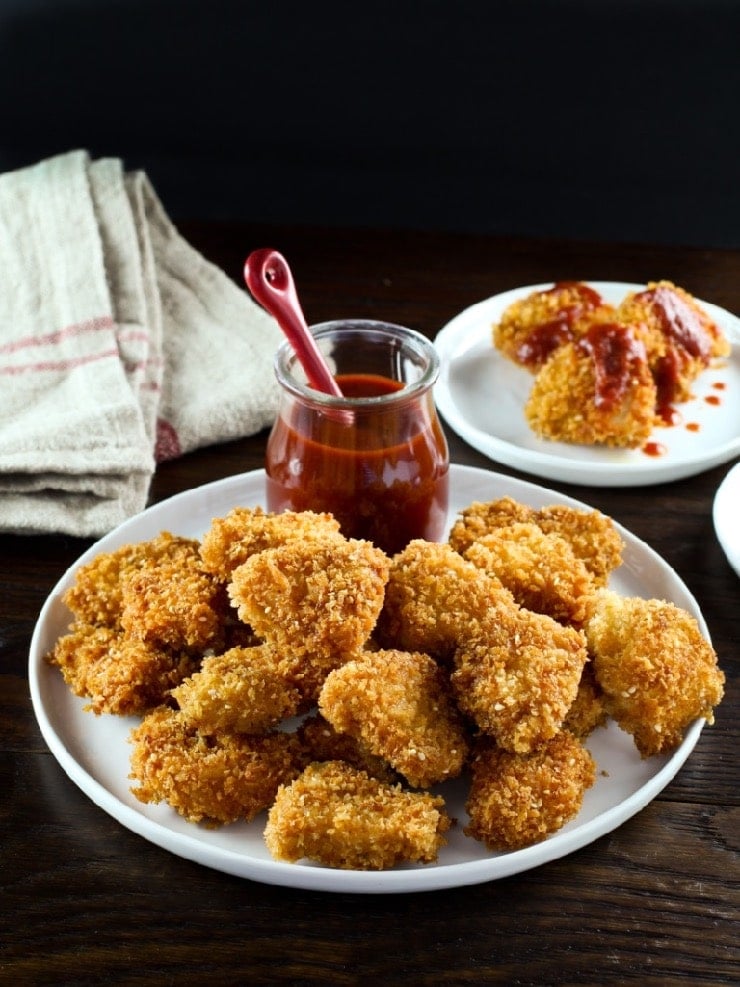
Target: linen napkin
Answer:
pixel 120 346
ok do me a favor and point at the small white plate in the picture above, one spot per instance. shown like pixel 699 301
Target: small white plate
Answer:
pixel 94 750
pixel 482 395
pixel 726 514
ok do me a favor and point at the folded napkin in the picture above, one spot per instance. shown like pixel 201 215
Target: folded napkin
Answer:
pixel 120 346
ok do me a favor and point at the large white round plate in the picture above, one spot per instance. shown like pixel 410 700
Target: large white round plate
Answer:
pixel 94 751
pixel 726 515
pixel 482 395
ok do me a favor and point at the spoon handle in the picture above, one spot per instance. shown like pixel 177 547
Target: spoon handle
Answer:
pixel 270 281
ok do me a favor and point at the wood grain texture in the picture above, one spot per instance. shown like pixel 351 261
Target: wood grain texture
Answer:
pixel 84 901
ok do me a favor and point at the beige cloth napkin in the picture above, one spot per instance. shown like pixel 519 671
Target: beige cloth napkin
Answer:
pixel 120 346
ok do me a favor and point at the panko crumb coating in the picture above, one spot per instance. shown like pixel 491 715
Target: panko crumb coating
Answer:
pixel 340 817
pixel 96 594
pixel 317 600
pixel 243 690
pixel 434 599
pixel 567 403
pixel 118 675
pixel 532 326
pixel 540 570
pixel 516 800
pixel 591 534
pixel 658 672
pixel 323 743
pixel 399 706
pixel 209 778
pixel 588 711
pixel 518 679
pixel 244 531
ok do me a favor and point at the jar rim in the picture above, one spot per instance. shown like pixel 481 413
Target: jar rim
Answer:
pixel 416 341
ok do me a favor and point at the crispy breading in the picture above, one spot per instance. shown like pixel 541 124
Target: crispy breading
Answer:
pixel 340 817
pixel 519 677
pixel 243 690
pixel 209 778
pixel 118 675
pixel 398 704
pixel 590 534
pixel 323 743
pixel 531 326
pixel 318 600
pixel 657 670
pixel 540 570
pixel 564 403
pixel 96 594
pixel 588 710
pixel 244 531
pixel 516 800
pixel 434 599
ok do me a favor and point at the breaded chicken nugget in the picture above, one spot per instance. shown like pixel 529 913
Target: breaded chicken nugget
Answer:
pixel 516 800
pixel 657 670
pixel 173 604
pixel 398 705
pixel 481 518
pixel 323 743
pixel 244 531
pixel 341 817
pixel 209 778
pixel 540 570
pixel 597 390
pixel 96 595
pixel 244 690
pixel 317 600
pixel 434 599
pixel 519 677
pixel 531 328
pixel 589 707
pixel 119 675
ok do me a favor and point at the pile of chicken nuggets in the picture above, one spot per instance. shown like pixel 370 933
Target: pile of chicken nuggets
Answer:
pixel 277 666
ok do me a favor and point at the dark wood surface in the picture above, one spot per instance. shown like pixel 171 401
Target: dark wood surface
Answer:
pixel 85 901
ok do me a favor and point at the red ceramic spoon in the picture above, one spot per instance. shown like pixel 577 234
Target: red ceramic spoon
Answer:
pixel 268 277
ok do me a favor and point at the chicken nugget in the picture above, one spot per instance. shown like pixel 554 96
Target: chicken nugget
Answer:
pixel 96 594
pixel 340 817
pixel 323 743
pixel 540 570
pixel 244 690
pixel 118 675
pixel 209 778
pixel 481 518
pixel 516 800
pixel 244 531
pixel 519 677
pixel 398 705
pixel 434 599
pixel 657 670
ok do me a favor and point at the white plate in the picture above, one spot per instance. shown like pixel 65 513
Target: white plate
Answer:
pixel 94 751
pixel 482 395
pixel 726 514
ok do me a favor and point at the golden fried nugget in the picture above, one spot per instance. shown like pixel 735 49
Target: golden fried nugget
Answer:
pixel 209 778
pixel 173 604
pixel 657 670
pixel 118 675
pixel 540 570
pixel 481 518
pixel 244 531
pixel 399 706
pixel 531 328
pixel 519 677
pixel 318 600
pixel 340 817
pixel 588 710
pixel 434 599
pixel 323 743
pixel 96 595
pixel 244 690
pixel 579 396
pixel 516 800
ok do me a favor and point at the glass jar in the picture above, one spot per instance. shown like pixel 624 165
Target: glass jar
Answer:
pixel 376 458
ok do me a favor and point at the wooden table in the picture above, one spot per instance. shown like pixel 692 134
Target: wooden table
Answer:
pixel 85 901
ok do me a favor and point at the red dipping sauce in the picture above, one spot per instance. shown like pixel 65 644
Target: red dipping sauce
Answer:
pixel 377 460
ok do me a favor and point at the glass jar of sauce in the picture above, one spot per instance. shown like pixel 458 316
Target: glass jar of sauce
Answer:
pixel 376 458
